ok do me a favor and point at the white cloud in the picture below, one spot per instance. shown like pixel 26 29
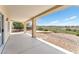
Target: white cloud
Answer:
pixel 53 23
pixel 56 21
pixel 66 21
pixel 71 18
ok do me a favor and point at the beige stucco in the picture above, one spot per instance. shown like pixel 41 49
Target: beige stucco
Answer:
pixel 34 28
pixel 6 32
pixel 25 24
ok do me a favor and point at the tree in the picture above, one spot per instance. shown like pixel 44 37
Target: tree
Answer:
pixel 18 25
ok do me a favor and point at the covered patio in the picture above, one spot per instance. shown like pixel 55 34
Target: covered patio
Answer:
pixel 20 43
pixel 22 12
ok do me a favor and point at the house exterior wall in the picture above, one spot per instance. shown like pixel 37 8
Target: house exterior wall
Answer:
pixel 6 32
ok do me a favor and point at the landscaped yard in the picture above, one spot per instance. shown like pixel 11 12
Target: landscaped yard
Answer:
pixel 66 41
pixel 63 37
pixel 60 29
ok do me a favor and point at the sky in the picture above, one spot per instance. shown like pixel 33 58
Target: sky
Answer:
pixel 65 17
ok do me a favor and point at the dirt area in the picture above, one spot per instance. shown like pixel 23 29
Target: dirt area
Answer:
pixel 66 41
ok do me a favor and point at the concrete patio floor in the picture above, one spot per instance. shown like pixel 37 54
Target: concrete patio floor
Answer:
pixel 23 44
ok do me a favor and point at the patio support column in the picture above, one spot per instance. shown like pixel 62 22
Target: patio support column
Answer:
pixel 34 28
pixel 24 27
pixel 11 25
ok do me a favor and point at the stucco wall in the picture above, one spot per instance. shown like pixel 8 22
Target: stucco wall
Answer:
pixel 6 32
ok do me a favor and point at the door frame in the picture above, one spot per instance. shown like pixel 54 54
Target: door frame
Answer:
pixel 2 30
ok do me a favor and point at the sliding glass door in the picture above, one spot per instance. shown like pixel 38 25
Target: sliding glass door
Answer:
pixel 1 29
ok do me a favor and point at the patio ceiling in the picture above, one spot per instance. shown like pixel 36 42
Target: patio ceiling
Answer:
pixel 25 12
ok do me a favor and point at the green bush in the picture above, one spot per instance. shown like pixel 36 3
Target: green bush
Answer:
pixel 74 30
pixel 18 25
pixel 77 34
pixel 55 31
pixel 29 28
pixel 45 29
pixel 68 29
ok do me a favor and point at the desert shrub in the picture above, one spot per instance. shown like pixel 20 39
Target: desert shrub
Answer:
pixel 55 31
pixel 45 29
pixel 74 30
pixel 40 28
pixel 77 34
pixel 68 29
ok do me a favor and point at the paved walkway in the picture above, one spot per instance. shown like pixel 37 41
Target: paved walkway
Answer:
pixel 24 44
